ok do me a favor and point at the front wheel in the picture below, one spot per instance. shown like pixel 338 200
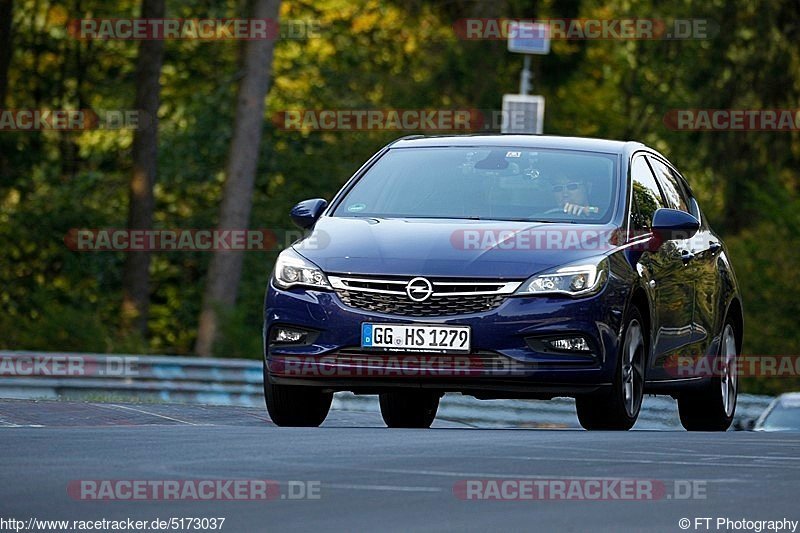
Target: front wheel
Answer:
pixel 409 409
pixel 712 408
pixel 618 408
pixel 293 406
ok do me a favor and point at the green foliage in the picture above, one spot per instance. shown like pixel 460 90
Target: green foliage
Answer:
pixel 765 256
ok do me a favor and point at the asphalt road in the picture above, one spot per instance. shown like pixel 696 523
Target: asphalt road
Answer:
pixel 368 477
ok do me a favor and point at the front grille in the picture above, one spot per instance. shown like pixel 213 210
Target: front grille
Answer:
pixel 404 306
pixel 449 297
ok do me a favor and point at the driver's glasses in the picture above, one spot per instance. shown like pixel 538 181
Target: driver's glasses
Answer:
pixel 569 186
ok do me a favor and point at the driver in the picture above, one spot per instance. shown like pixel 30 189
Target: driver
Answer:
pixel 572 195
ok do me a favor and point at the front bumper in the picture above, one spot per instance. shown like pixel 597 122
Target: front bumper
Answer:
pixel 506 360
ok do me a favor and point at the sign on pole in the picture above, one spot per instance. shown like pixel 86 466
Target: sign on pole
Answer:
pixel 528 37
pixel 522 113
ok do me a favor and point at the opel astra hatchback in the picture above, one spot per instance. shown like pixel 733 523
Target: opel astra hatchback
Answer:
pixel 505 266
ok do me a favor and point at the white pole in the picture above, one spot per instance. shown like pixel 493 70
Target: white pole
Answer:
pixel 525 76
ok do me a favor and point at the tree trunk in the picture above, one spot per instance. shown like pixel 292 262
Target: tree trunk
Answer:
pixel 225 269
pixel 6 14
pixel 136 273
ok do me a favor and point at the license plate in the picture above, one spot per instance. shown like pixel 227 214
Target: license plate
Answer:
pixel 412 337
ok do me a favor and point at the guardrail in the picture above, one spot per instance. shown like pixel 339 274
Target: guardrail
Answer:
pixel 82 376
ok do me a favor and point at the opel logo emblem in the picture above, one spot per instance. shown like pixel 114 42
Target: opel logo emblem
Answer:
pixel 419 289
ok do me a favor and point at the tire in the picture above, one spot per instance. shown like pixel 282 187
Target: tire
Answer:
pixel 293 406
pixel 713 407
pixel 409 409
pixel 618 408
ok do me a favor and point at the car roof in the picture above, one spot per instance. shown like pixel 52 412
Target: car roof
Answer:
pixel 523 141
pixel 790 397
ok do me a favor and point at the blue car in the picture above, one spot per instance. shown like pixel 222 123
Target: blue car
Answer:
pixel 505 266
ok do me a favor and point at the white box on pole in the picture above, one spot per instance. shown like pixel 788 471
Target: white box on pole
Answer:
pixel 522 113
pixel 528 37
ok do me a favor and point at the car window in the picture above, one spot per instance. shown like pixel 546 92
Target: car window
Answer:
pixel 503 183
pixel 647 197
pixel 694 207
pixel 676 196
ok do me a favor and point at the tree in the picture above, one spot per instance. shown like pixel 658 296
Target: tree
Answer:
pixel 136 272
pixel 6 12
pixel 225 269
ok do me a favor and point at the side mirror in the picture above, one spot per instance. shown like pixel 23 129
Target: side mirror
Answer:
pixel 306 213
pixel 672 224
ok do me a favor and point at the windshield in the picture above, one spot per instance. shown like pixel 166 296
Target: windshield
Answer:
pixel 486 183
pixel 784 416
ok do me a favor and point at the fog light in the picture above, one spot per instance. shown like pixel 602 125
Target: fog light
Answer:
pixel 289 335
pixel 570 344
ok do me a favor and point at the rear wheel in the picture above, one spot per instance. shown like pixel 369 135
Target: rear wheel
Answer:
pixel 293 406
pixel 712 408
pixel 618 408
pixel 409 409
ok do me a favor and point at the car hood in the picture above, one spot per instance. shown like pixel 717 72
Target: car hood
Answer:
pixel 445 248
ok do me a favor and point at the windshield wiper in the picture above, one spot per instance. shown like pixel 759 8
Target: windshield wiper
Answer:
pixel 467 217
pixel 512 219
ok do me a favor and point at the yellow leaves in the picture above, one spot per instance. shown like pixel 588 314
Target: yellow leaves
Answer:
pixel 276 182
pixel 321 48
pixel 410 46
pixel 376 95
pixel 103 141
pixel 288 85
pixel 374 16
pixel 12 199
pixel 57 16
pixel 365 22
pixel 564 47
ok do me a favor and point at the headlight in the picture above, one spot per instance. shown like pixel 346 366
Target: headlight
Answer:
pixel 577 279
pixel 293 269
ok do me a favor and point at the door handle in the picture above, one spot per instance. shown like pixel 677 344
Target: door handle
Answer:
pixel 714 247
pixel 686 256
